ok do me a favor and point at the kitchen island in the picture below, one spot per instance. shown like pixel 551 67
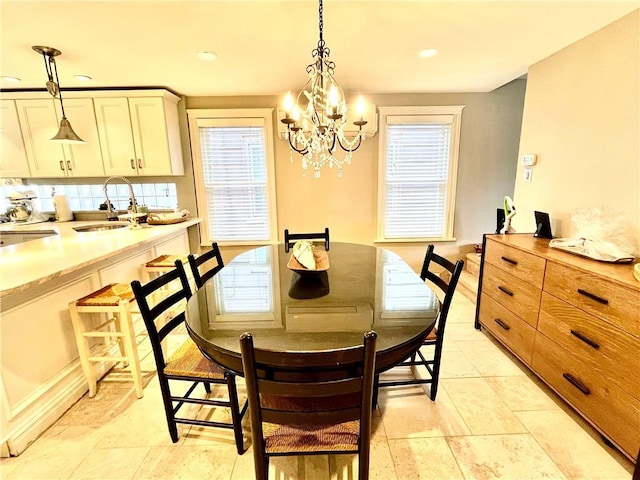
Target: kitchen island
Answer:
pixel 40 376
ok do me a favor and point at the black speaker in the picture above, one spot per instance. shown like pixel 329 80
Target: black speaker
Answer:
pixel 543 226
pixel 499 219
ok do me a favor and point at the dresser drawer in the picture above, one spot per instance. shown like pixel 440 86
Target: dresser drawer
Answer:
pixel 608 407
pixel 527 267
pixel 517 335
pixel 517 296
pixel 610 352
pixel 595 295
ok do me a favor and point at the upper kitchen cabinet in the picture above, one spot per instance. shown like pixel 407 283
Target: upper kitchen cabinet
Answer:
pixel 39 121
pixel 13 162
pixel 140 135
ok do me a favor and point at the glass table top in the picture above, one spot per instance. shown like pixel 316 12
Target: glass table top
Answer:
pixel 364 288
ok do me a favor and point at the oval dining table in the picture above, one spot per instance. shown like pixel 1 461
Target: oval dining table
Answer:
pixel 364 288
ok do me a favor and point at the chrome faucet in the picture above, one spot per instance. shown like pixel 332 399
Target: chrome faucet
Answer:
pixel 111 215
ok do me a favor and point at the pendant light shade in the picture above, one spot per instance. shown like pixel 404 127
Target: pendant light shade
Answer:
pixel 65 132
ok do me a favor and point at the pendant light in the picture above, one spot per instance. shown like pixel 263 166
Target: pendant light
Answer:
pixel 65 133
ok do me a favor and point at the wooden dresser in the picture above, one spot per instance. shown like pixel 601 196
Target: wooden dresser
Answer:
pixel 575 322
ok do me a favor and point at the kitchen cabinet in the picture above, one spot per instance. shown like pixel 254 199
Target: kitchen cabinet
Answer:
pixel 39 122
pixel 13 162
pixel 574 322
pixel 140 135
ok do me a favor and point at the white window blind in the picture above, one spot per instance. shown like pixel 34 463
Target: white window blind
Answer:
pixel 419 169
pixel 234 175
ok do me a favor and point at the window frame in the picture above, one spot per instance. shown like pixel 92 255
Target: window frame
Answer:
pixel 232 117
pixel 416 112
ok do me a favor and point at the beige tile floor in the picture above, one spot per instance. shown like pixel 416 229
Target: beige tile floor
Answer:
pixel 492 419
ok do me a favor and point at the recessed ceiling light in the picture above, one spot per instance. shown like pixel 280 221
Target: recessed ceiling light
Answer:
pixel 428 53
pixel 11 79
pixel 84 78
pixel 210 56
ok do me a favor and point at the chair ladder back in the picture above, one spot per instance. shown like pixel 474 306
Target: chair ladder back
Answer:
pixel 151 313
pixel 276 401
pixel 196 262
pixel 291 238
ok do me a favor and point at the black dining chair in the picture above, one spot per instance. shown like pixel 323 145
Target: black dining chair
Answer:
pixel 297 409
pixel 291 238
pixel 205 265
pixel 162 315
pixel 447 284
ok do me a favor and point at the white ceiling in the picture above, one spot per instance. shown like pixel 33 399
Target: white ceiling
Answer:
pixel 264 46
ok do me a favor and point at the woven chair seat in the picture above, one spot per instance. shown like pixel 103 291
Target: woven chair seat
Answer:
pixel 290 438
pixel 108 296
pixel 188 361
pixel 433 334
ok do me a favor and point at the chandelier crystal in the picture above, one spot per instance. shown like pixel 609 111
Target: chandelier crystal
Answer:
pixel 316 120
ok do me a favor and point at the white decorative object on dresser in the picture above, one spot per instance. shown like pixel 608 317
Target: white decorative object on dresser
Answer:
pixel 575 322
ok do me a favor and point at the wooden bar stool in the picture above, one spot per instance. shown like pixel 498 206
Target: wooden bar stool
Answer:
pixel 115 301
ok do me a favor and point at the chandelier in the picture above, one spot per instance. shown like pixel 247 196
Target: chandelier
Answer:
pixel 65 133
pixel 316 120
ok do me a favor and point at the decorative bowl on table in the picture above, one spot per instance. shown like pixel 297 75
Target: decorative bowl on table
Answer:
pixel 322 263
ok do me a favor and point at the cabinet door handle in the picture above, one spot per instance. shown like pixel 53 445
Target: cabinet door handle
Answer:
pixel 62 165
pixel 508 260
pixel 585 339
pixel 504 290
pixel 69 165
pixel 139 163
pixel 590 295
pixel 502 324
pixel 133 165
pixel 576 383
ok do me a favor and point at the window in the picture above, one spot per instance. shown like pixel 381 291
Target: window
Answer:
pixel 233 168
pixel 418 164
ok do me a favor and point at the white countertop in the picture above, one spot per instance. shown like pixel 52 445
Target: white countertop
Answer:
pixel 37 261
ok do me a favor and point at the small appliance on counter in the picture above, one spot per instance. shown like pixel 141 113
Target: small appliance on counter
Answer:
pixel 23 210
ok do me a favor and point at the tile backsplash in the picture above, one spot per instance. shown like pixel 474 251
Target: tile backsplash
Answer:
pixel 89 197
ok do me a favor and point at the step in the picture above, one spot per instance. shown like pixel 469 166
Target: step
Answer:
pixel 468 285
pixel 472 264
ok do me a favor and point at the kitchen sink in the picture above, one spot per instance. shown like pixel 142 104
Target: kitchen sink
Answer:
pixel 101 227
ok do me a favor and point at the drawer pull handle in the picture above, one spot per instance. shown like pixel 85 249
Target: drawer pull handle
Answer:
pixel 69 165
pixel 139 163
pixel 586 340
pixel 508 260
pixel 501 323
pixel 61 165
pixel 133 165
pixel 593 297
pixel 508 292
pixel 576 383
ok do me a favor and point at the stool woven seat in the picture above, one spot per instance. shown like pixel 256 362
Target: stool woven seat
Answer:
pixel 166 261
pixel 109 296
pixel 115 301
